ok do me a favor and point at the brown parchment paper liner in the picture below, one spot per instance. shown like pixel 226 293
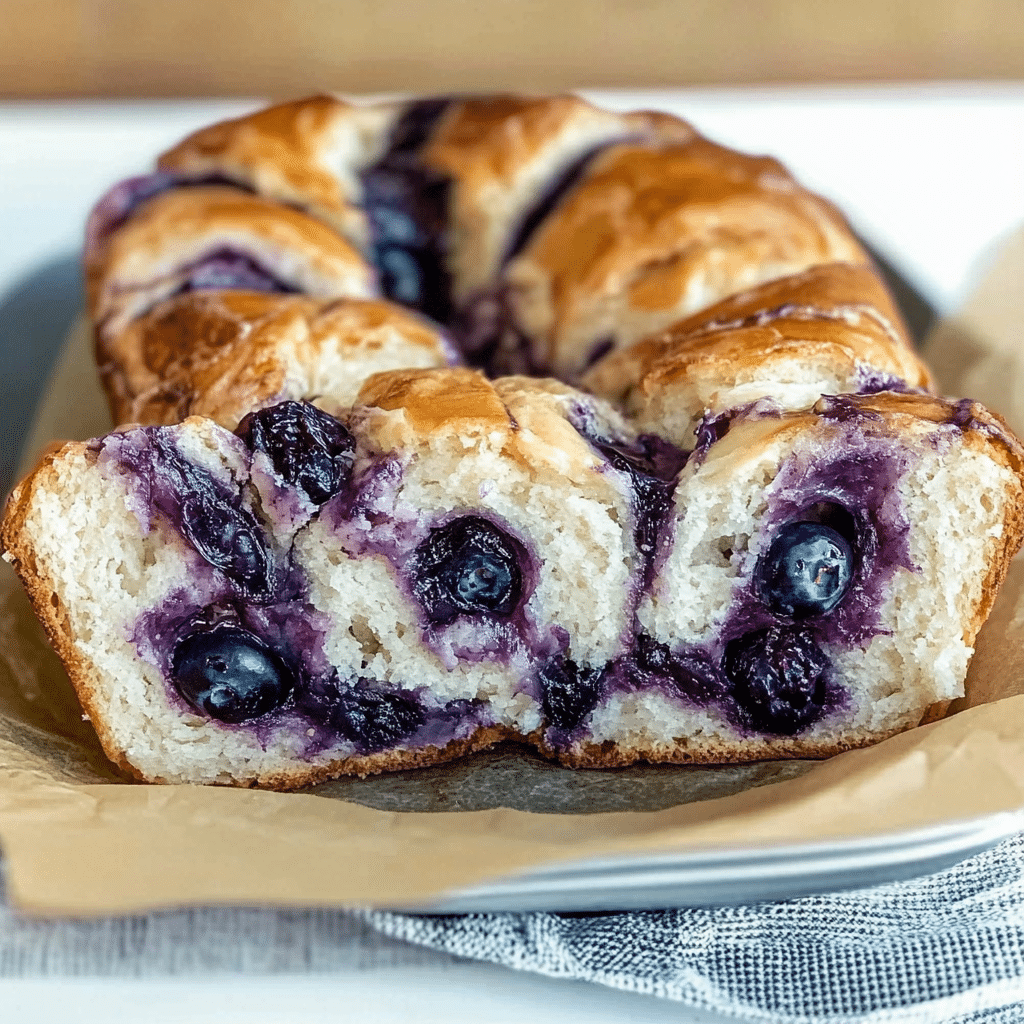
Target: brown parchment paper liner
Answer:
pixel 81 839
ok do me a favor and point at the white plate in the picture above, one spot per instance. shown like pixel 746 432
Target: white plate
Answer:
pixel 707 878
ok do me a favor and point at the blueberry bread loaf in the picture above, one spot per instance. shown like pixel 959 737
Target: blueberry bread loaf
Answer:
pixel 332 537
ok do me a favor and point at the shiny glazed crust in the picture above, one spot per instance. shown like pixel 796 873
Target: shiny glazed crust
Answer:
pixel 148 258
pixel 831 329
pixel 224 354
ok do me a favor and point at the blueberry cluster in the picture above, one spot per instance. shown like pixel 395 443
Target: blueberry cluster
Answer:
pixel 778 678
pixel 467 566
pixel 211 519
pixel 779 675
pixel 406 206
pixel 569 692
pixel 311 450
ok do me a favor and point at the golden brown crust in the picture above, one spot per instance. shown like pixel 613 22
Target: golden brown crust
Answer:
pixel 489 139
pixel 149 257
pixel 614 755
pixel 305 152
pixel 830 329
pixel 526 418
pixel 443 400
pixel 659 231
pixel 831 290
pixel 502 154
pixel 222 354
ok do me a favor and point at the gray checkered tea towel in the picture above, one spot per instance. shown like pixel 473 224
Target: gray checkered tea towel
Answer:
pixel 945 948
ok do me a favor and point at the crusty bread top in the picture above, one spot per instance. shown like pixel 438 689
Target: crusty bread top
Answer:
pixel 833 321
pixel 667 230
pixel 502 153
pixel 524 418
pixel 148 257
pixel 223 354
pixel 850 292
pixel 306 152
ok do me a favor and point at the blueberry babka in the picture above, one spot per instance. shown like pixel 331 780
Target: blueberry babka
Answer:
pixel 452 421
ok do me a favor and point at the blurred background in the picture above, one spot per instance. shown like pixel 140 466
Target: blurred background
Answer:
pixel 273 48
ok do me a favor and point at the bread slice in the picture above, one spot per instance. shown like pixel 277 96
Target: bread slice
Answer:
pixel 214 237
pixel 928 497
pixel 461 561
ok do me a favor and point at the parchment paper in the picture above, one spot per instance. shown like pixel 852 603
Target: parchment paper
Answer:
pixel 81 839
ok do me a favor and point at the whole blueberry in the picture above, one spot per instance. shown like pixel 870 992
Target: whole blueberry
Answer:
pixel 230 674
pixel 211 517
pixel 569 692
pixel 806 570
pixel 229 539
pixel 308 447
pixel 467 566
pixel 375 719
pixel 778 678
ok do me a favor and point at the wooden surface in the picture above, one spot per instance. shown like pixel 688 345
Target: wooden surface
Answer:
pixel 283 47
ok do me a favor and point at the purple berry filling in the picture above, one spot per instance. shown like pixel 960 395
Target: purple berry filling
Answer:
pixel 209 515
pixel 871 381
pixel 710 430
pixel 766 667
pixel 230 270
pixel 486 331
pixel 123 199
pixel 407 207
pixel 371 719
pixel 240 645
pixel 778 678
pixel 416 124
pixel 652 466
pixel 309 449
pixel 569 693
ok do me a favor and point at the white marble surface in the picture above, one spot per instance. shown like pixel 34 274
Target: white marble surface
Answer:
pixel 933 176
